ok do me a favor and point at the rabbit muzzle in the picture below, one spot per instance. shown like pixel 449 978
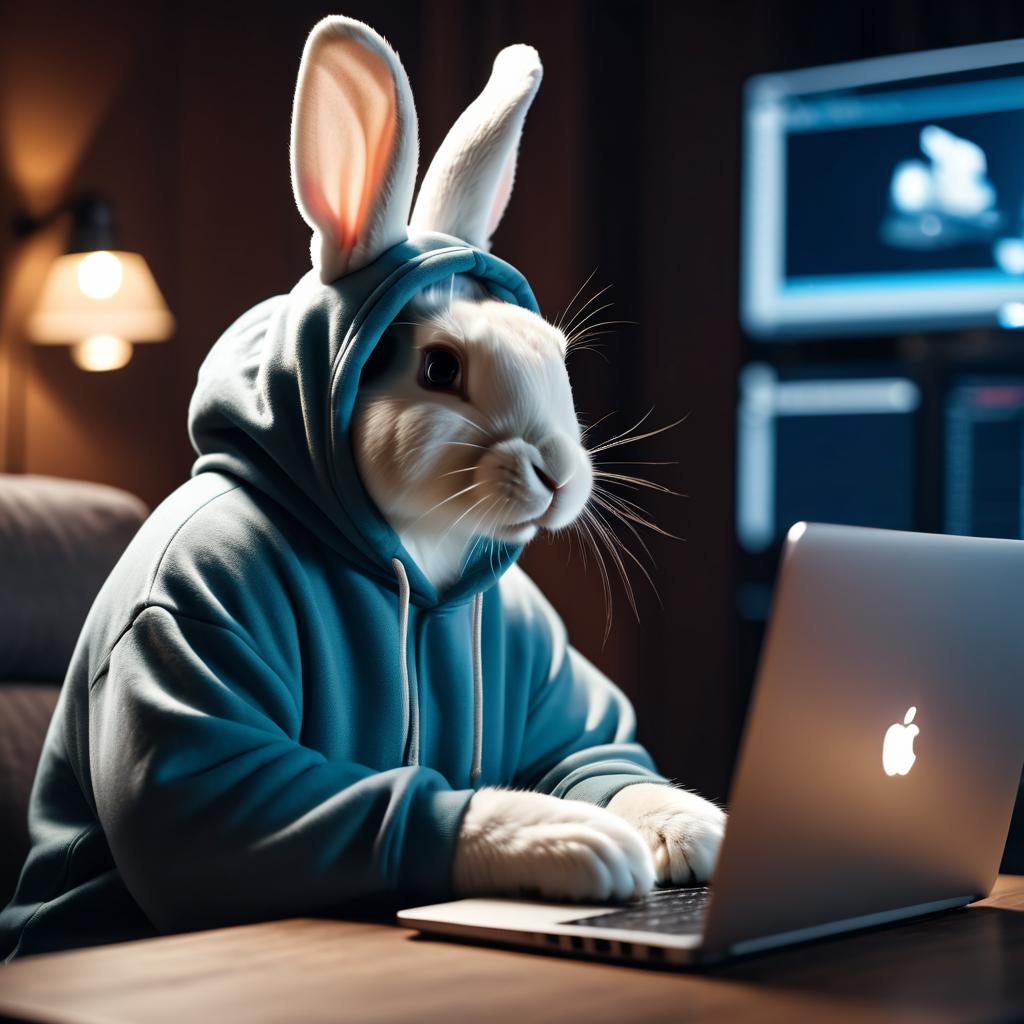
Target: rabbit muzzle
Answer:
pixel 542 485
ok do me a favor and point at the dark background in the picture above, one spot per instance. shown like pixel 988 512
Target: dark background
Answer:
pixel 630 164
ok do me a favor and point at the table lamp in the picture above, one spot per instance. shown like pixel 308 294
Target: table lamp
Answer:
pixel 97 298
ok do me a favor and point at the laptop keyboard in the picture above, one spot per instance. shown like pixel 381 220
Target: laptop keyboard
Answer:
pixel 669 911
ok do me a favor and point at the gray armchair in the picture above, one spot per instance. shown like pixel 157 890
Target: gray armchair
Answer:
pixel 59 539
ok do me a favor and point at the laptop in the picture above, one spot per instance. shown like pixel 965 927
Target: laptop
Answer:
pixel 878 770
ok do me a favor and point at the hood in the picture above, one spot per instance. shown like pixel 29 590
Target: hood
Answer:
pixel 274 400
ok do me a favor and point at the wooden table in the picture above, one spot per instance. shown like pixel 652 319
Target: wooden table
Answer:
pixel 966 965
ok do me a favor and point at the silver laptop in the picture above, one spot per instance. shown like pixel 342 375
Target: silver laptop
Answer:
pixel 878 770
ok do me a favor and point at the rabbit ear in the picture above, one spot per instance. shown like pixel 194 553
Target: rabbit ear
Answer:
pixel 354 145
pixel 468 184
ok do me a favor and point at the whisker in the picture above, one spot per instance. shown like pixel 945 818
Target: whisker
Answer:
pixel 572 325
pixel 596 423
pixel 580 341
pixel 606 587
pixel 587 348
pixel 615 545
pixel 578 325
pixel 596 330
pixel 635 481
pixel 620 500
pixel 451 497
pixel 625 550
pixel 637 462
pixel 608 539
pixel 571 534
pixel 628 517
pixel 583 546
pixel 442 444
pixel 477 541
pixel 466 419
pixel 628 430
pixel 612 510
pixel 635 514
pixel 451 526
pixel 565 313
pixel 491 526
pixel 618 442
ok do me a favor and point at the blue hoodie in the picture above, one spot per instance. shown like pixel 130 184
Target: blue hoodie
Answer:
pixel 271 711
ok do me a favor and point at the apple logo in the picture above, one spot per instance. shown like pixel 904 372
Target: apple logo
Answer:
pixel 898 755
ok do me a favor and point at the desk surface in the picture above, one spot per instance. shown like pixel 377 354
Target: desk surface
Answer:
pixel 967 965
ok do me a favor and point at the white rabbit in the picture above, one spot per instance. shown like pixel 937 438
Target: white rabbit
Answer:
pixel 471 431
pixel 465 428
pixel 272 709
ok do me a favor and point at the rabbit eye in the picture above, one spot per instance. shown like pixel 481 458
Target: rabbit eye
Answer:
pixel 441 369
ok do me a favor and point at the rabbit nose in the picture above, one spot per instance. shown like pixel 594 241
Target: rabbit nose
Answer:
pixel 544 478
pixel 554 461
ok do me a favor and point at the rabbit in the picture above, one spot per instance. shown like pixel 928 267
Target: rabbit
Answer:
pixel 317 674
pixel 465 428
pixel 465 431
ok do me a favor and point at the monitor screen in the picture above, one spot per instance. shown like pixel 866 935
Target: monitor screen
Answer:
pixel 828 448
pixel 886 195
pixel 985 457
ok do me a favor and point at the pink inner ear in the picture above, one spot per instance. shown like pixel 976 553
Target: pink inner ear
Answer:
pixel 348 131
pixel 502 193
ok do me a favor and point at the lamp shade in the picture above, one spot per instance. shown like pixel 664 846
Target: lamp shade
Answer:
pixel 103 293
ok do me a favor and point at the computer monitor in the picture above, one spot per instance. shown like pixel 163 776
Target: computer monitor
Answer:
pixel 837 447
pixel 985 456
pixel 885 195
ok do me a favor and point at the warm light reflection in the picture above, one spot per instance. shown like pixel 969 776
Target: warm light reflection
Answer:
pixel 101 352
pixel 100 274
pixel 796 531
pixel 107 295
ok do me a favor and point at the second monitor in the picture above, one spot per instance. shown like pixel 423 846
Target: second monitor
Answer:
pixel 828 446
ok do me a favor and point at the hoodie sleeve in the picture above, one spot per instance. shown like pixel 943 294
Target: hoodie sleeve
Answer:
pixel 579 739
pixel 215 812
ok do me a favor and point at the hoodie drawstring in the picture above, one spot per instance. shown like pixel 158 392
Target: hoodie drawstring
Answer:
pixel 478 690
pixel 412 706
pixel 412 698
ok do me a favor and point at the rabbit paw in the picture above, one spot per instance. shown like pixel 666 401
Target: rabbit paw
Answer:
pixel 520 843
pixel 684 831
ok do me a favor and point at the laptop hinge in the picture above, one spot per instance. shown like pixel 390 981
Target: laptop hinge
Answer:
pixel 847 924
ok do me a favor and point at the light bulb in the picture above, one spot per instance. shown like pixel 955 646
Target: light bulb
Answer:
pixel 101 352
pixel 100 275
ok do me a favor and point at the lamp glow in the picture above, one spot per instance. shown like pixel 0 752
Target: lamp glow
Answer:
pixel 101 352
pixel 100 274
pixel 100 302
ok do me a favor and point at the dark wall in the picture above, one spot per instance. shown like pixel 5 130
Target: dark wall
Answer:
pixel 629 169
